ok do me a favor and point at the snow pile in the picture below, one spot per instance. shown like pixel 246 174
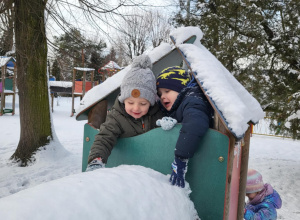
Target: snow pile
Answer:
pixel 124 192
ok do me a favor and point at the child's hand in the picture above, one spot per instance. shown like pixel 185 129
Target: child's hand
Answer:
pixel 166 123
pixel 179 167
pixel 95 164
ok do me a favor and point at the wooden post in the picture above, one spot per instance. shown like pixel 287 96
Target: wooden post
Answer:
pixel 229 175
pixel 243 174
pixel 52 97
pixel 92 78
pixel 216 120
pixel 73 90
pixel 14 89
pixel 2 92
pixel 83 84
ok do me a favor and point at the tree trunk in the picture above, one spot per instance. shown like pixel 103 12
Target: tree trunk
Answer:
pixel 31 54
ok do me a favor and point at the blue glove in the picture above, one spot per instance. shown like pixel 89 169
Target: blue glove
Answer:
pixel 179 167
pixel 95 164
pixel 166 123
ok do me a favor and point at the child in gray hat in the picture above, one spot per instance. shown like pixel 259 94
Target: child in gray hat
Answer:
pixel 134 112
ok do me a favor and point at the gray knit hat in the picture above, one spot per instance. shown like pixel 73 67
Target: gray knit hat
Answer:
pixel 139 81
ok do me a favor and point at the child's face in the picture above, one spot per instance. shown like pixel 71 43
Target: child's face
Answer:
pixel 136 107
pixel 167 97
pixel 251 195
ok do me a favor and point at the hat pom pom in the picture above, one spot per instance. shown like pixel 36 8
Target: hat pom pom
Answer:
pixel 142 62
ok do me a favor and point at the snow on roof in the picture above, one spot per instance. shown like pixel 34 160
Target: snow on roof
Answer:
pixel 83 69
pixel 158 52
pixel 183 33
pixel 236 104
pixel 111 65
pixel 64 84
pixel 5 60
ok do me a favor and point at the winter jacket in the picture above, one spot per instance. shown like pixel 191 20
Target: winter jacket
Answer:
pixel 193 111
pixel 119 124
pixel 264 210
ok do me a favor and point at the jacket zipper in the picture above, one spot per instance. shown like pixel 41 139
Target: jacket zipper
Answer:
pixel 143 125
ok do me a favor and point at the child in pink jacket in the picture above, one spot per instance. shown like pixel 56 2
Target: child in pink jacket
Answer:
pixel 263 199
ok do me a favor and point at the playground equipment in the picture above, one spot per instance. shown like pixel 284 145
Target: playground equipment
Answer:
pixel 59 87
pixel 109 70
pixel 7 83
pixel 217 173
pixel 80 87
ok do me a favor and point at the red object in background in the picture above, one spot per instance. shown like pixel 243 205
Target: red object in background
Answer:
pixel 99 71
pixel 78 86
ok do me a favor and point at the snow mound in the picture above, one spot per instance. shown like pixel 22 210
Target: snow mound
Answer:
pixel 124 192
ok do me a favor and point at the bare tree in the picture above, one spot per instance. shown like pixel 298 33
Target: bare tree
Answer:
pixel 139 31
pixel 31 54
pixel 159 27
pixel 6 27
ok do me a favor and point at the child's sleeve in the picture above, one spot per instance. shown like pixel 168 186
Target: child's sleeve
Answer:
pixel 195 123
pixel 260 212
pixel 105 140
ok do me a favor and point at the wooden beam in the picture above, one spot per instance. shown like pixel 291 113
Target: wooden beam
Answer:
pixel 14 88
pixel 92 78
pixel 243 174
pixel 3 88
pixel 83 83
pixel 73 90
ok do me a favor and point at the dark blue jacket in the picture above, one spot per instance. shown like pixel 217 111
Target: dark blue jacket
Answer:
pixel 193 111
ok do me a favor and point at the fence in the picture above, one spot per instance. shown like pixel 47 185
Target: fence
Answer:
pixel 263 128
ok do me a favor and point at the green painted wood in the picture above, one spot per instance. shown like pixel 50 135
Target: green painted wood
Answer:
pixel 7 111
pixel 155 149
pixel 9 84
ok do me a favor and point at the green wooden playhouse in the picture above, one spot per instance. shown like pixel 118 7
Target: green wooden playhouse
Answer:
pixel 216 174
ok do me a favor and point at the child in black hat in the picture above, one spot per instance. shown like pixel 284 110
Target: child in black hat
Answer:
pixel 186 103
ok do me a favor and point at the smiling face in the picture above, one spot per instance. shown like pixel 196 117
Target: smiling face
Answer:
pixel 167 97
pixel 136 107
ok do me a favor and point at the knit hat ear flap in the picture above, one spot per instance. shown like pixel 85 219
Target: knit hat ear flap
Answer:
pixel 139 81
pixel 254 181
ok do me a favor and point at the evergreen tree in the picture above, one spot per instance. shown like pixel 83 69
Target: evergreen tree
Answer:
pixel 71 48
pixel 96 63
pixel 111 56
pixel 258 41
pixel 55 70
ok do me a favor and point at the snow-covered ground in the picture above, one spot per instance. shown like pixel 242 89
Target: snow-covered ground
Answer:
pixel 33 192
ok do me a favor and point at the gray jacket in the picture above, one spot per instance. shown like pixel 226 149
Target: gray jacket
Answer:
pixel 119 124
